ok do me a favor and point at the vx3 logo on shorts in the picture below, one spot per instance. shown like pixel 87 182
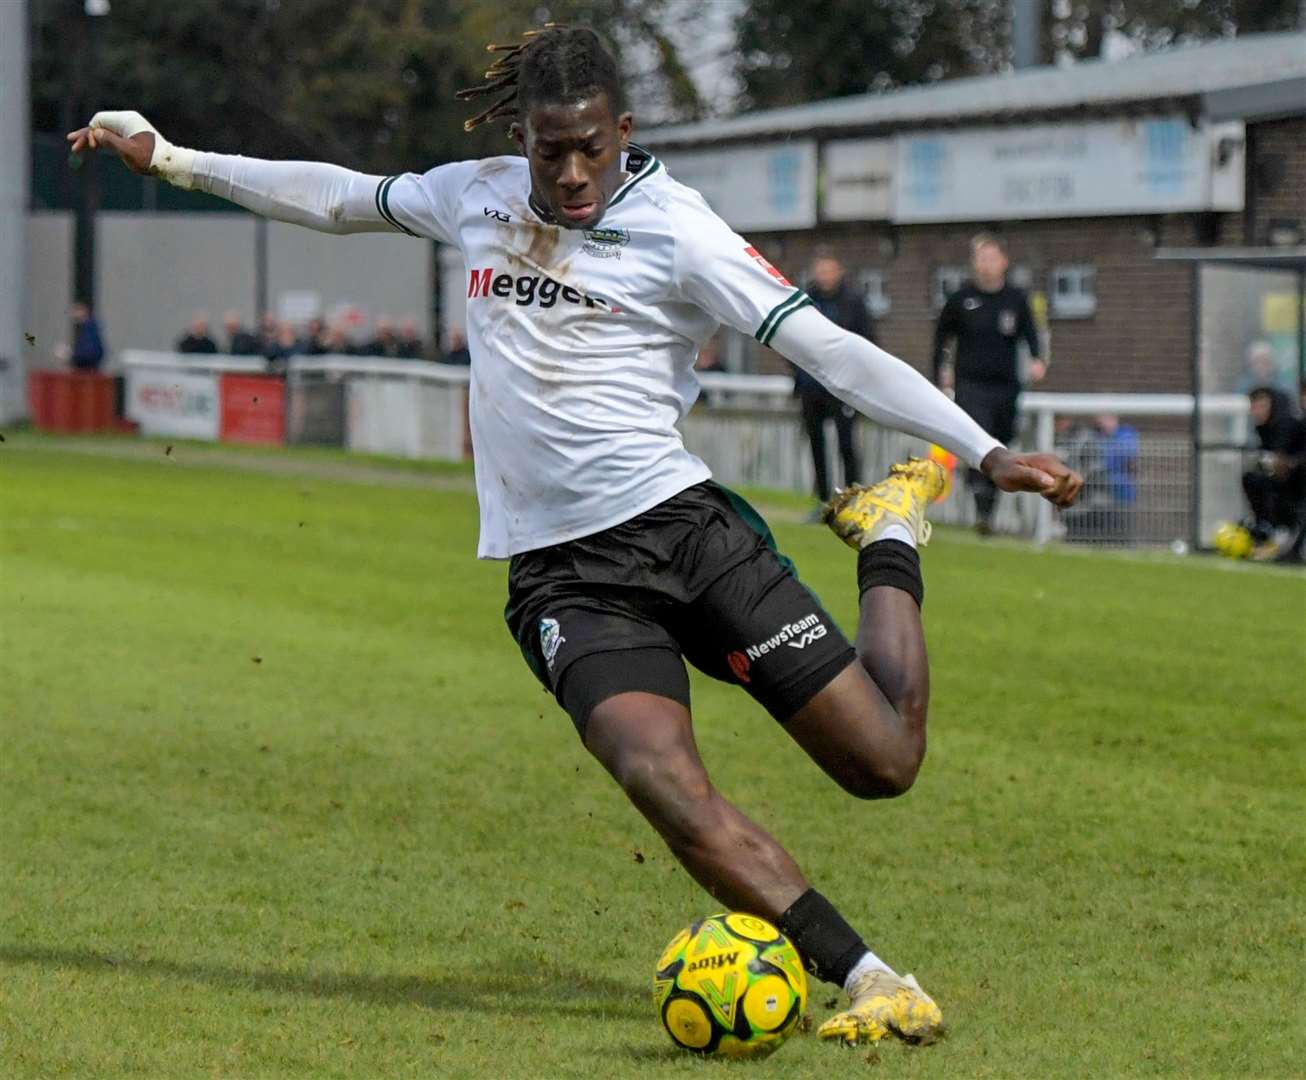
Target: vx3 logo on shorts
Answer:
pixel 795 635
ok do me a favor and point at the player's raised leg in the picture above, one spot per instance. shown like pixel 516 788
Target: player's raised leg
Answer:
pixel 844 726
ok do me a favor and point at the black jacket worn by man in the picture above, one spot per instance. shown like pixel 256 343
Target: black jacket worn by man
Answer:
pixel 845 307
pixel 986 372
pixel 987 327
pixel 197 343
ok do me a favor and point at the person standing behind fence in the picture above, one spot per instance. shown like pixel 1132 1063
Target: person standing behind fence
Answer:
pixel 835 298
pixel 986 317
pixel 240 342
pixel 88 347
pixel 197 339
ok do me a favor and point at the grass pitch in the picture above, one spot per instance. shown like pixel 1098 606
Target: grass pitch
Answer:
pixel 278 798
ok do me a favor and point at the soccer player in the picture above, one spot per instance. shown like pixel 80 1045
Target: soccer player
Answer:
pixel 592 279
pixel 986 317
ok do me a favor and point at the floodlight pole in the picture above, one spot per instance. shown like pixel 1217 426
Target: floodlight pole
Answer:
pixel 88 193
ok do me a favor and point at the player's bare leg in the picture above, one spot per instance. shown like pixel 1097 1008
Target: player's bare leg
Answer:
pixel 867 727
pixel 646 742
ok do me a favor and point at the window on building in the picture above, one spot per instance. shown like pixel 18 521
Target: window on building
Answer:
pixel 1073 292
pixel 873 293
pixel 945 281
pixel 1021 276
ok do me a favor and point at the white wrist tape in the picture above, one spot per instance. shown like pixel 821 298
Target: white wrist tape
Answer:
pixel 174 164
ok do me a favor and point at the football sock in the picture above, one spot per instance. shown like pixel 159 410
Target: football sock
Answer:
pixel 829 946
pixel 896 531
pixel 892 563
pixel 868 963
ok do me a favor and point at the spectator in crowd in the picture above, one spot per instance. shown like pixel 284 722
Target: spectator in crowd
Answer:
pixel 458 353
pixel 708 361
pixel 334 340
pixel 284 345
pixel 835 298
pixel 384 342
pixel 268 330
pixel 1276 486
pixel 411 346
pixel 240 342
pixel 88 347
pixel 313 343
pixel 196 339
pixel 709 358
pixel 1119 444
pixel 1261 369
pixel 986 318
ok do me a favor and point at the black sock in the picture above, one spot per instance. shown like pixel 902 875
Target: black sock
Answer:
pixel 893 563
pixel 825 941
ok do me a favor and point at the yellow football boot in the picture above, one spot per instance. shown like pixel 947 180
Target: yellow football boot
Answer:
pixel 858 515
pixel 885 1004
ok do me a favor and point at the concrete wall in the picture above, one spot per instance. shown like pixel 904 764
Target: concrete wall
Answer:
pixel 49 283
pixel 157 270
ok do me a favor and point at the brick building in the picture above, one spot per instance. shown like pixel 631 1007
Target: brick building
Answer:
pixel 1086 171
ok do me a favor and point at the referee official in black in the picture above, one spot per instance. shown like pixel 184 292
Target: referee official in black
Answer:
pixel 986 317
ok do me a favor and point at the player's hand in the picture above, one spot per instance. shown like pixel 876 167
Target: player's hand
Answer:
pixel 1044 474
pixel 1037 369
pixel 127 134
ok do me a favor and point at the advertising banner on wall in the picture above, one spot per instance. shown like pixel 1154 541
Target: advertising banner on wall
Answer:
pixel 772 186
pixel 859 179
pixel 1069 170
pixel 182 404
pixel 253 409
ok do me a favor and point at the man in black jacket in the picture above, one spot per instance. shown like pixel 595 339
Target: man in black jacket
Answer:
pixel 986 317
pixel 1276 486
pixel 835 298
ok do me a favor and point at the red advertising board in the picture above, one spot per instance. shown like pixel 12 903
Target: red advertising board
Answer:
pixel 253 409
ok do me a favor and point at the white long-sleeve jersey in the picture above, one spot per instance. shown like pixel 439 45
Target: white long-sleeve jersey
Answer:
pixel 583 341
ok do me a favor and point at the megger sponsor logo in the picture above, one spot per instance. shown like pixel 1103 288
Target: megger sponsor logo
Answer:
pixel 797 635
pixel 529 289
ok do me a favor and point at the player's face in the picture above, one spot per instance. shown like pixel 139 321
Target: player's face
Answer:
pixel 574 152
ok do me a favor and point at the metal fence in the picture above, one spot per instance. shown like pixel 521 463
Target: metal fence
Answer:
pixel 747 428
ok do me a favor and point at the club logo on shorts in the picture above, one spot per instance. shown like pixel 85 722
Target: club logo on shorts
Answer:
pixel 551 640
pixel 739 664
pixel 605 243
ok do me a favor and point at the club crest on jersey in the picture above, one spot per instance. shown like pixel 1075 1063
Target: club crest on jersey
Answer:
pixel 605 243
pixel 551 640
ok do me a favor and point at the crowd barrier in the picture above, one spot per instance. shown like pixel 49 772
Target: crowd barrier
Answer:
pixel 746 427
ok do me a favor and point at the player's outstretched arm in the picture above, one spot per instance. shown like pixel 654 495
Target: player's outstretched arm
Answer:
pixel 323 197
pixel 895 394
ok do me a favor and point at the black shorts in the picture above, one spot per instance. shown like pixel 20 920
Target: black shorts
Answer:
pixel 698 577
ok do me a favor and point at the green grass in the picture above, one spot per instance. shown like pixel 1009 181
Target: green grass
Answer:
pixel 279 798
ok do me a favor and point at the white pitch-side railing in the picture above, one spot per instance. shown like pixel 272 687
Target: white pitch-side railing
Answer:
pixel 747 428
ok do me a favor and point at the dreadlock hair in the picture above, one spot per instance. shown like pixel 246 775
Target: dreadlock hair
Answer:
pixel 554 65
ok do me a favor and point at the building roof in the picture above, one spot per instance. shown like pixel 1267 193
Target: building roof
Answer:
pixel 1250 77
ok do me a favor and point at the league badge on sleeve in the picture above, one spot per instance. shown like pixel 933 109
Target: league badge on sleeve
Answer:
pixel 551 640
